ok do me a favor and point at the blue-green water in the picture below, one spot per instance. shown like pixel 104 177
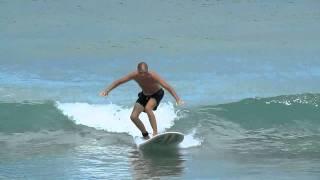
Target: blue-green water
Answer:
pixel 247 70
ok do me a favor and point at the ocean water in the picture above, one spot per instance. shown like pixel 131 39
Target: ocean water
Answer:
pixel 248 71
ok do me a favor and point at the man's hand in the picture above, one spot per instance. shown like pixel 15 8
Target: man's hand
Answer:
pixel 180 102
pixel 104 93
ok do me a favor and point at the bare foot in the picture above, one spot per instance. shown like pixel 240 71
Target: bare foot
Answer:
pixel 146 137
pixel 154 133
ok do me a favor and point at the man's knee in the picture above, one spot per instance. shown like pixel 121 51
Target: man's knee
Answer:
pixel 148 110
pixel 133 117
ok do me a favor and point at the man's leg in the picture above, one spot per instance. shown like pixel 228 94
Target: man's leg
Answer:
pixel 149 110
pixel 137 109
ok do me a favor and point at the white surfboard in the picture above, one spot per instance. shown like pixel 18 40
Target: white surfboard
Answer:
pixel 167 139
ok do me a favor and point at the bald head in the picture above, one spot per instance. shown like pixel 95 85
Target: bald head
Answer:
pixel 142 67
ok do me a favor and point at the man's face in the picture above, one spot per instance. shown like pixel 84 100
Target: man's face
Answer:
pixel 143 72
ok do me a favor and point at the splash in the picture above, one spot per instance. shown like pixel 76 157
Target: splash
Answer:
pixel 115 118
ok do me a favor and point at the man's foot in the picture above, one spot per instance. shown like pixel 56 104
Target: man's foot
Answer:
pixel 154 133
pixel 145 135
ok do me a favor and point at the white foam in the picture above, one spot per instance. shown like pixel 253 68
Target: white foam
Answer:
pixel 115 118
pixel 190 141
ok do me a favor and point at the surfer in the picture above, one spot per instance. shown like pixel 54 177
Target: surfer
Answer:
pixel 149 98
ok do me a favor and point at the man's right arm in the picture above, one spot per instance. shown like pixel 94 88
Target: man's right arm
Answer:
pixel 118 82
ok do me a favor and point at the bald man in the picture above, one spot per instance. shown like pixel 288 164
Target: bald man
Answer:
pixel 149 98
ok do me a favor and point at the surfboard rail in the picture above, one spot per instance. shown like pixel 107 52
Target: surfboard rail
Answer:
pixel 162 140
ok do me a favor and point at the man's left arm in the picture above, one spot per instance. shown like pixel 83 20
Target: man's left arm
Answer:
pixel 165 85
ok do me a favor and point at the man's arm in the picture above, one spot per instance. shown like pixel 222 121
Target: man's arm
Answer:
pixel 165 85
pixel 116 83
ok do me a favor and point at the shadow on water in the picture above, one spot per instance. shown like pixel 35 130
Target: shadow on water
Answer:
pixel 158 162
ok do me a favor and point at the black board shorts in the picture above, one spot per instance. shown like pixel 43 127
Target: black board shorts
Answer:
pixel 143 99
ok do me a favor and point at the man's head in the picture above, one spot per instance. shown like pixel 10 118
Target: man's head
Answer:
pixel 142 68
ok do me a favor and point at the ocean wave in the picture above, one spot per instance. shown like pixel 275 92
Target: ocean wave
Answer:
pixel 275 122
pixel 42 121
pixel 19 117
pixel 251 113
pixel 271 112
pixel 287 125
